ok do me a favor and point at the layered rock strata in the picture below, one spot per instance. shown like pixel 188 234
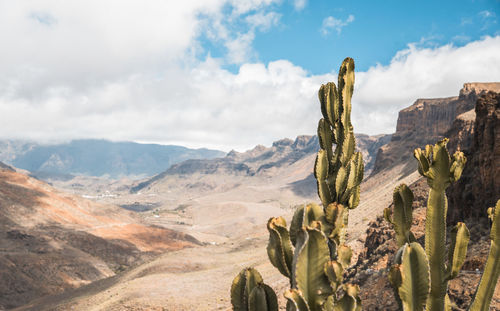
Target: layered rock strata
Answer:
pixel 479 139
pixel 425 122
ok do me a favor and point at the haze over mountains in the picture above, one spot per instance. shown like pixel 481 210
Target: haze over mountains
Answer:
pixel 96 157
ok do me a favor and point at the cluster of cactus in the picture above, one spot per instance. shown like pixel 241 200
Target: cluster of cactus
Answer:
pixel 420 277
pixel 312 253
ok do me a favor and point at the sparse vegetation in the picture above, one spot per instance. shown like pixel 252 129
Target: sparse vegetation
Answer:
pixel 312 253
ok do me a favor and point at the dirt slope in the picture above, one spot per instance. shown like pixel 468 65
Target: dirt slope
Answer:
pixel 51 241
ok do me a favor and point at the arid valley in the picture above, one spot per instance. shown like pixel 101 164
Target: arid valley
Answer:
pixel 176 240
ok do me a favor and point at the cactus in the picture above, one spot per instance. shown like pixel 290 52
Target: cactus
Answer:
pixel 435 164
pixel 491 273
pixel 410 276
pixel 312 253
pixel 249 293
pixel 420 279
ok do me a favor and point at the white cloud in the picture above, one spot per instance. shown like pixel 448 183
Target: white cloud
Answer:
pixel 82 72
pixel 263 21
pixel 486 14
pixel 332 23
pixel 299 4
pixel 420 73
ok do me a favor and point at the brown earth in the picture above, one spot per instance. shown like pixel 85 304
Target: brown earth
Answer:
pixel 51 241
pixel 370 271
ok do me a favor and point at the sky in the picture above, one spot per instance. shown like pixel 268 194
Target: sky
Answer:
pixel 229 74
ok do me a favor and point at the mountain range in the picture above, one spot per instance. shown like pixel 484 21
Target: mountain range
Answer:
pixel 93 157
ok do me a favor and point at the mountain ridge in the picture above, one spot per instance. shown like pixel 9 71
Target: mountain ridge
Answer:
pixel 96 157
pixel 264 161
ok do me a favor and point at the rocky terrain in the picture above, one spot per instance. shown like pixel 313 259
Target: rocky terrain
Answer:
pixel 477 134
pixel 51 241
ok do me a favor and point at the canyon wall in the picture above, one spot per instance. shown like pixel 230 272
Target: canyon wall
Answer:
pixel 425 122
pixel 479 139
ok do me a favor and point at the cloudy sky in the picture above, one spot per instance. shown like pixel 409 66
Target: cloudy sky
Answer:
pixel 229 74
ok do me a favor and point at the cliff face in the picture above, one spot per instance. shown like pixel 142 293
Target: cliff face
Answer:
pixel 479 186
pixel 425 122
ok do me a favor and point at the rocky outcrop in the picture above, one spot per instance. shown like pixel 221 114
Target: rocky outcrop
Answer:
pixel 369 146
pixel 425 122
pixel 479 139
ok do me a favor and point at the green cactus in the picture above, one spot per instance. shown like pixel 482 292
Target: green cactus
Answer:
pixel 312 253
pixel 435 164
pixel 410 276
pixel 249 293
pixel 339 173
pixel 402 218
pixel 489 279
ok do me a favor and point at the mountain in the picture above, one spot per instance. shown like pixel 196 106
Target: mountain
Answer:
pixel 425 122
pixel 97 157
pixel 51 241
pixel 280 160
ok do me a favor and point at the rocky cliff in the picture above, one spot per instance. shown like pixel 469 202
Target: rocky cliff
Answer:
pixel 425 122
pixel 477 134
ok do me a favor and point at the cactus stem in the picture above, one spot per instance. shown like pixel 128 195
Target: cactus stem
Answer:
pixel 435 243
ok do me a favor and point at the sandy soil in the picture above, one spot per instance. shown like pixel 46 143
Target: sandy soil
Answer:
pixel 231 222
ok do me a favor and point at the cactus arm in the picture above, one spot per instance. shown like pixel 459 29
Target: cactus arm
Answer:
pixel 242 286
pixel 325 137
pixel 321 174
pixel 489 279
pixel 296 225
pixel 334 216
pixel 409 277
pixel 262 298
pixel 312 253
pixel 414 288
pixel 296 301
pixel 344 255
pixel 350 301
pixel 459 237
pixel 334 272
pixel 402 217
pixel 279 248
